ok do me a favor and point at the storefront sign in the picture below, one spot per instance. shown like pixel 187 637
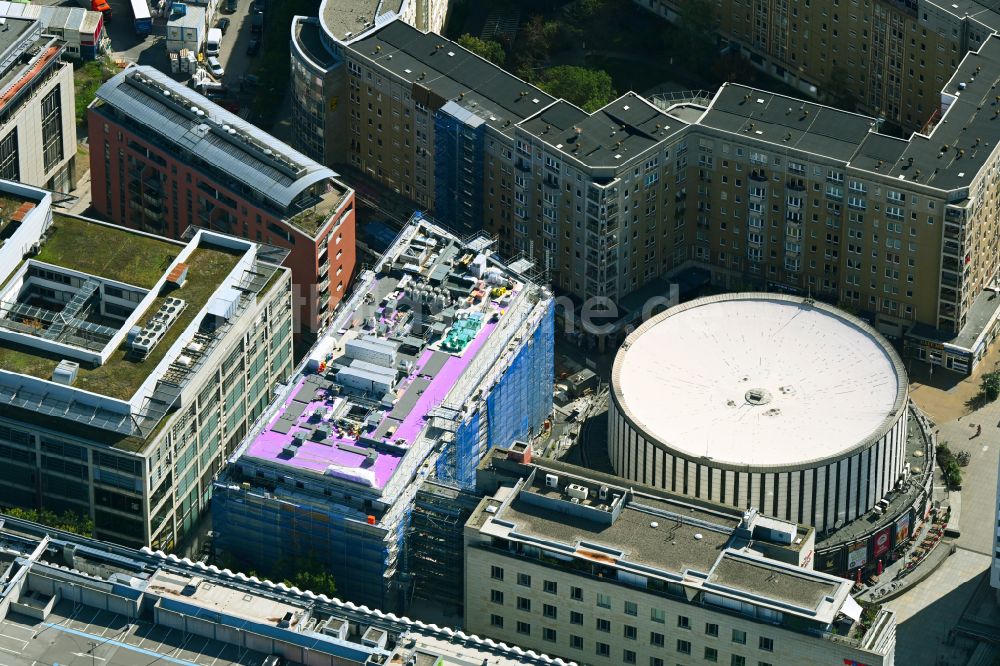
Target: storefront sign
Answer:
pixel 903 528
pixel 883 539
pixel 857 555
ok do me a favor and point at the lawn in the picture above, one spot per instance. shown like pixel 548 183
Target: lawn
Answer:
pixel 121 376
pixel 107 251
pixel 87 78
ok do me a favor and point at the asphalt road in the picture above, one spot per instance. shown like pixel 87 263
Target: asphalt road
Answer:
pixel 151 50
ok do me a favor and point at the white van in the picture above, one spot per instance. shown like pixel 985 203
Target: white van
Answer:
pixel 213 44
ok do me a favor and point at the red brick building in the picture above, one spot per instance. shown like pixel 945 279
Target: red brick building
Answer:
pixel 164 158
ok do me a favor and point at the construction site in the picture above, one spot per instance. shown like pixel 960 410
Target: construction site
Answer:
pixel 443 353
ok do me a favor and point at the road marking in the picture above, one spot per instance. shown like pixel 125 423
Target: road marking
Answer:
pixel 985 449
pixel 9 650
pixel 87 654
pixel 148 653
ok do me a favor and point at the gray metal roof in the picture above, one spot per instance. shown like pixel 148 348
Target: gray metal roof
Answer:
pixel 238 151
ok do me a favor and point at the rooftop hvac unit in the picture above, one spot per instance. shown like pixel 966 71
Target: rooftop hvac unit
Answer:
pixel 374 637
pixel 577 491
pixel 551 481
pixel 184 361
pixel 603 493
pixel 65 372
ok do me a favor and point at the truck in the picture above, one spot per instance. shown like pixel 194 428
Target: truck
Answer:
pixel 213 42
pixel 98 6
pixel 142 20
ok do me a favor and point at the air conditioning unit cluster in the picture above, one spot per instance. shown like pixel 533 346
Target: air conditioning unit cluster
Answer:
pixel 147 338
pixel 577 491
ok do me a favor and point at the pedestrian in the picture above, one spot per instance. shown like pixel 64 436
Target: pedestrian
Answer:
pixel 979 430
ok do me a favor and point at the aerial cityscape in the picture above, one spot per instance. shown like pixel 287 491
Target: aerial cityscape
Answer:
pixel 497 332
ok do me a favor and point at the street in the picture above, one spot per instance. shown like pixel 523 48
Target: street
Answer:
pixel 151 50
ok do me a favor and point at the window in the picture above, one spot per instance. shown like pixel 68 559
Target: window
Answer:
pixel 683 647
pixel 549 635
pixel 628 656
pixel 52 139
pixel 550 586
pixel 496 596
pixel 548 610
pixel 711 654
pixel 9 166
pixel 683 622
pixel 524 580
pixel 739 637
pixel 523 604
pixel 656 639
pixel 631 608
pixel 576 593
pixel 656 615
pixel 737 660
pixel 766 644
pixel 524 628
pixel 631 632
pixel 496 621
pixel 575 617
pixel 711 629
pixel 603 625
pixel 603 600
pixel 576 642
pixel 656 661
pixel 496 573
pixel 603 650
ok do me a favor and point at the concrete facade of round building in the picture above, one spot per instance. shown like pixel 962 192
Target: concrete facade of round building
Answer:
pixel 763 400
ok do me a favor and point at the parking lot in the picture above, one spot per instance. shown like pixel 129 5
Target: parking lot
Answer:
pixel 81 635
pixel 152 51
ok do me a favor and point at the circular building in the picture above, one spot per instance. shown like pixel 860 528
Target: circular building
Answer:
pixel 763 400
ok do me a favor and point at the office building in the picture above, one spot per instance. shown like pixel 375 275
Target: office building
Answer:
pixel 130 365
pixel 164 158
pixel 603 574
pixel 890 58
pixel 442 353
pixel 37 117
pixel 68 599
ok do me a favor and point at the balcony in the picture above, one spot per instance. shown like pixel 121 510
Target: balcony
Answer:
pixel 759 175
pixel 796 185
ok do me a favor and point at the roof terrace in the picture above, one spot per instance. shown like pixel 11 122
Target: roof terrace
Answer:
pixel 119 254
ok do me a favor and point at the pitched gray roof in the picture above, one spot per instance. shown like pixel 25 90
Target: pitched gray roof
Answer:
pixel 220 138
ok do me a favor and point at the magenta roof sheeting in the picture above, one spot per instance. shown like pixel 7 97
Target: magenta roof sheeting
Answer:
pixel 318 456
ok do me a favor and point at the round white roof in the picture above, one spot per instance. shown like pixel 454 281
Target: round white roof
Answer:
pixel 758 380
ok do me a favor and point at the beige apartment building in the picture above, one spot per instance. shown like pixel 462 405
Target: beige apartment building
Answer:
pixel 893 56
pixel 754 189
pixel 602 574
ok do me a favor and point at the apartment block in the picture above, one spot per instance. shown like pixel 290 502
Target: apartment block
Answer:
pixel 603 574
pixel 442 353
pixel 995 566
pixel 164 159
pixel 318 65
pixel 130 365
pixel 62 591
pixel 37 120
pixel 891 56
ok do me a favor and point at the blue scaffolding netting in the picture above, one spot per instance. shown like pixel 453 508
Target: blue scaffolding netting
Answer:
pixel 515 408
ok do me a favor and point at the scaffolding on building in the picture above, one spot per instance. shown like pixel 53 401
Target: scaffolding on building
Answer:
pixel 435 557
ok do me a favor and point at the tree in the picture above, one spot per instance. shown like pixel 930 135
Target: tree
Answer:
pixel 990 386
pixel 490 49
pixel 307 573
pixel 590 89
pixel 67 521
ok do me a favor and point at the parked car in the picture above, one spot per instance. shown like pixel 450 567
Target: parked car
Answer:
pixel 231 5
pixel 253 48
pixel 215 67
pixel 223 24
